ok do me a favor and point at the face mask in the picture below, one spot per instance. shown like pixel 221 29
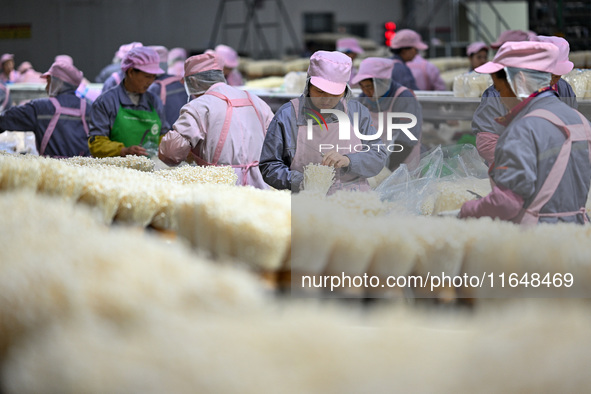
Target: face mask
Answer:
pixel 187 90
pixel 55 86
pixel 524 82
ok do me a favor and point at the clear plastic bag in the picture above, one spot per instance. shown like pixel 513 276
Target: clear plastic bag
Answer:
pixel 458 85
pixel 295 82
pixel 471 84
pixel 30 146
pixel 415 191
pixel 476 84
pixel 151 148
pixel 580 81
pixel 7 145
pixel 18 142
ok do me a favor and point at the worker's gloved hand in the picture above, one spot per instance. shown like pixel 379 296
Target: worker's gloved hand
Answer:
pixel 134 150
pixel 335 159
pixel 478 196
pixel 469 209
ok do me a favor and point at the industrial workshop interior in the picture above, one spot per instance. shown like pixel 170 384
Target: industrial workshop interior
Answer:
pixel 272 196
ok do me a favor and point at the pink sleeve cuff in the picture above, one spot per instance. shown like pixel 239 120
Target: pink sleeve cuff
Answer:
pixel 485 144
pixel 174 148
pixel 499 203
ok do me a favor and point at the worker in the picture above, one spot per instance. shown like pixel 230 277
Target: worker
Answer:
pixel 477 53
pixel 541 170
pixel 404 48
pixel 483 123
pixel 381 95
pixel 295 139
pixel 176 61
pixel 565 91
pixel 108 70
pixel 168 88
pixel 128 120
pixel 485 127
pixel 64 58
pixel 426 74
pixel 27 74
pixel 118 74
pixel 7 72
pixel 510 35
pixel 84 90
pixel 222 125
pixel 350 47
pixel 115 65
pixel 58 122
pixel 231 62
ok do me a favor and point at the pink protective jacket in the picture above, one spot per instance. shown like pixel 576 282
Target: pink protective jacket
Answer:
pixel 426 74
pixel 485 144
pixel 177 69
pixel 31 76
pixel 200 125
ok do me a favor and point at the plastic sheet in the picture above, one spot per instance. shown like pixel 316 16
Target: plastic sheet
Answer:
pixel 151 149
pixel 416 191
pixel 18 142
pixel 471 84
pixel 8 145
pixel 295 82
pixel 580 81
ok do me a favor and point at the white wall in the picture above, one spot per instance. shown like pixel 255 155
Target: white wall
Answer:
pixel 91 30
pixel 515 13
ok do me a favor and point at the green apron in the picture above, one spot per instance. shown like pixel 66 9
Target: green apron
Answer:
pixel 136 127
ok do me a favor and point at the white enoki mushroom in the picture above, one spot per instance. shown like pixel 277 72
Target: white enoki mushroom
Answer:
pixel 318 178
pixel 186 175
pixel 140 163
